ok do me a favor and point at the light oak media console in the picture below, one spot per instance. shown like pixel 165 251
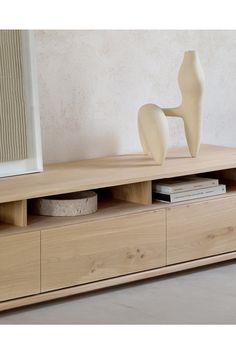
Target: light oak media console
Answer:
pixel 129 238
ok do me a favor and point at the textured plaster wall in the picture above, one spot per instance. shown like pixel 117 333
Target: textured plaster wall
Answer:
pixel 93 82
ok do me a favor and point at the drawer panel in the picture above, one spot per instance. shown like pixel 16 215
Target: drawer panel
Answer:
pixel 87 252
pixel 201 230
pixel 19 265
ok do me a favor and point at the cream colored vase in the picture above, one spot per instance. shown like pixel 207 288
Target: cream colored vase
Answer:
pixel 152 122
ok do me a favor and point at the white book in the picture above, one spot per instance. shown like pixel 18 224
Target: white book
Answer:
pixel 181 184
pixel 188 195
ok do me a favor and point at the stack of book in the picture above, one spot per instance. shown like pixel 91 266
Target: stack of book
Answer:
pixel 179 189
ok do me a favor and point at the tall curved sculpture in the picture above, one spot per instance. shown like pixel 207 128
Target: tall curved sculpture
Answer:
pixel 152 122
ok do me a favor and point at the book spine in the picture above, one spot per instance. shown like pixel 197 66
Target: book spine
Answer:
pixel 184 196
pixel 205 192
pixel 187 187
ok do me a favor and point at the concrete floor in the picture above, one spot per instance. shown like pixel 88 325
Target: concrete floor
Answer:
pixel 203 296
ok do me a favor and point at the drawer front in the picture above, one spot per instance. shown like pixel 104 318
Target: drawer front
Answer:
pixel 102 249
pixel 201 230
pixel 19 265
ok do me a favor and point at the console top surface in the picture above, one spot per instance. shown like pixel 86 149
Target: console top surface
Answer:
pixel 111 171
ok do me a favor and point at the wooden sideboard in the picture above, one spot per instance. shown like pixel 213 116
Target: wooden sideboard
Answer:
pixel 129 238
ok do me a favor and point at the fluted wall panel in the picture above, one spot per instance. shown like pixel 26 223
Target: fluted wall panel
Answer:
pixel 13 141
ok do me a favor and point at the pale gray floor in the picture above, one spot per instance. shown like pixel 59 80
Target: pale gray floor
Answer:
pixel 203 296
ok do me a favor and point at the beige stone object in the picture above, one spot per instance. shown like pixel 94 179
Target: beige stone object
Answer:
pixel 152 123
pixel 71 204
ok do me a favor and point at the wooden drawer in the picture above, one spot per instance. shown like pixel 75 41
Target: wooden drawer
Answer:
pixel 102 249
pixel 200 230
pixel 19 265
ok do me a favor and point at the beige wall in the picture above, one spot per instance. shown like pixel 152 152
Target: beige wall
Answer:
pixel 93 82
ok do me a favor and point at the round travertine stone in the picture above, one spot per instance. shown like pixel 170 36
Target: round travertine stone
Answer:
pixel 72 204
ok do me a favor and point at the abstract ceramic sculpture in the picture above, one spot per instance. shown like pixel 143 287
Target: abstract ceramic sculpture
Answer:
pixel 152 122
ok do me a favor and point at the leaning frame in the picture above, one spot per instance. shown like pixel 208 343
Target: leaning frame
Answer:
pixel 33 162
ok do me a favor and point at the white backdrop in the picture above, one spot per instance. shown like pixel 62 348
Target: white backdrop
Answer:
pixel 92 83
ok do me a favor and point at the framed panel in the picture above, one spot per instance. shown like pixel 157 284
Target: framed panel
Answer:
pixel 20 138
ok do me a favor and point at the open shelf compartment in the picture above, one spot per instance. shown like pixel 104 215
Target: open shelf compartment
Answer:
pixel 227 177
pixel 112 202
pixel 14 213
